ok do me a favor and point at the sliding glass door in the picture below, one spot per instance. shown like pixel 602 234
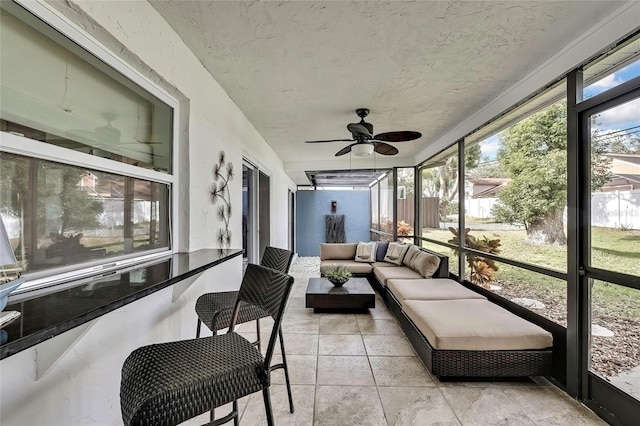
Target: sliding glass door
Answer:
pixel 610 214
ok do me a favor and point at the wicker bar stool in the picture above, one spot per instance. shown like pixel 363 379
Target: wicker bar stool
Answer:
pixel 214 309
pixel 169 383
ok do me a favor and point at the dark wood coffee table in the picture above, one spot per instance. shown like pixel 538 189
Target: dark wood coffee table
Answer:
pixel 355 294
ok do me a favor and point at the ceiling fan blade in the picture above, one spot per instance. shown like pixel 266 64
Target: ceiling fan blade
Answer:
pixel 331 140
pixel 358 129
pixel 397 136
pixel 345 150
pixel 385 149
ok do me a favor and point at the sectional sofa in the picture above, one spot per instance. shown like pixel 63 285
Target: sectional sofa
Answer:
pixel 455 331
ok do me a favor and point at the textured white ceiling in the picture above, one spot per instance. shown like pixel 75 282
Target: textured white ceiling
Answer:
pixel 298 70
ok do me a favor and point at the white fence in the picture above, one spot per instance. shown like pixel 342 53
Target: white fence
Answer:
pixel 608 209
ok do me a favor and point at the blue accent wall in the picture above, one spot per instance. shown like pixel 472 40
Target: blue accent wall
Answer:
pixel 311 208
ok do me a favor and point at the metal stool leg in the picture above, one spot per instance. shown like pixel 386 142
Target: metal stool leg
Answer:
pixel 286 370
pixel 267 406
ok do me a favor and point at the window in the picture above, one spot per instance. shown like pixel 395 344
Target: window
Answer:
pixel 86 156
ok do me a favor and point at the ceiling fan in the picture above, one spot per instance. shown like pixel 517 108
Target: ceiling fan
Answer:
pixel 366 142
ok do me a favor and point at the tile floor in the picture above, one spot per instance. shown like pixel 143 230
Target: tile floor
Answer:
pixel 358 369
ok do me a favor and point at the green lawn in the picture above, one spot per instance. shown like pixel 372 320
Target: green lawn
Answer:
pixel 612 249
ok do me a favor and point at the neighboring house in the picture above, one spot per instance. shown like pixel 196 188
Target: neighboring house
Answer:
pixel 625 172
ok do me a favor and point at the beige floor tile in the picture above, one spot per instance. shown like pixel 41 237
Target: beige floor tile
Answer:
pixel 296 301
pixel 378 326
pixel 545 407
pixel 341 344
pixel 300 344
pixel 484 406
pixel 344 370
pixel 303 402
pixel 416 406
pixel 348 405
pixel 301 325
pixel 330 325
pixel 302 370
pixel 297 312
pixel 399 371
pixel 387 345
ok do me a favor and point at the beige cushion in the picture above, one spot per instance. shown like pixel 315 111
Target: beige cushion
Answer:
pixel 425 264
pixel 383 264
pixel 366 252
pixel 338 251
pixel 408 257
pixel 430 289
pixel 351 265
pixel 399 272
pixel 396 252
pixel 472 324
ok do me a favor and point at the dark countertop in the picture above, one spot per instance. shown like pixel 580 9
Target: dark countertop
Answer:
pixel 52 311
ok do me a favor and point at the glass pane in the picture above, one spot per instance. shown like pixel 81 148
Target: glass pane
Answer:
pixel 615 342
pixel 516 192
pixel 608 80
pixel 439 201
pixel 615 186
pixel 405 201
pixel 386 205
pixel 375 207
pixel 59 215
pixel 544 295
pixel 70 99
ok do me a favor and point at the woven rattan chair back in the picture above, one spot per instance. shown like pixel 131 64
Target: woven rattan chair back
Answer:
pixel 169 383
pixel 277 258
pixel 268 290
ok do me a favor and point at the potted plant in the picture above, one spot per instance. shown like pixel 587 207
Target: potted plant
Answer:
pixel 338 275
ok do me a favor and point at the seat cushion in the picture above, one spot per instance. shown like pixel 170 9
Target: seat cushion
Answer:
pixel 351 265
pixel 382 264
pixel 430 289
pixel 473 324
pixel 399 272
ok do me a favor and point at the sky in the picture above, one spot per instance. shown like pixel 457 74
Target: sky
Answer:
pixel 616 119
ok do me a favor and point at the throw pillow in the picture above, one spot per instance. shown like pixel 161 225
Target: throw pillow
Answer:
pixel 408 258
pixel 425 264
pixel 366 252
pixel 381 250
pixel 396 252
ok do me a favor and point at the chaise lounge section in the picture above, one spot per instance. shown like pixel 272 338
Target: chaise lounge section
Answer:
pixel 455 331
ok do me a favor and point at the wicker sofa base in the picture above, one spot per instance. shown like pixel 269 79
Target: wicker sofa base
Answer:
pixel 458 363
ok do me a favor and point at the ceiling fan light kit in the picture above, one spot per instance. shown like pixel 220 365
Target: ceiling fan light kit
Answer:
pixel 365 142
pixel 362 149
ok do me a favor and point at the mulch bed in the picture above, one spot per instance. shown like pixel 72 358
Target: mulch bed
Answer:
pixel 610 356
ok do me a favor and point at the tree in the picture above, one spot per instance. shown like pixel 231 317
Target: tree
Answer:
pixel 533 154
pixel 443 180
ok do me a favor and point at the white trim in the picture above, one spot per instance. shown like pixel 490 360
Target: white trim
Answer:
pixel 95 271
pixel 21 145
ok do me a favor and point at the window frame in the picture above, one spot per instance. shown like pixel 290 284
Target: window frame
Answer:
pixel 17 144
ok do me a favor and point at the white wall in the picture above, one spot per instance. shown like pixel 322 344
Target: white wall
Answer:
pixel 82 389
